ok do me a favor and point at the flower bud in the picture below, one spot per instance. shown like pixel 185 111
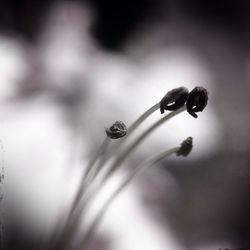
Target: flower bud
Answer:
pixel 117 130
pixel 174 99
pixel 197 101
pixel 186 147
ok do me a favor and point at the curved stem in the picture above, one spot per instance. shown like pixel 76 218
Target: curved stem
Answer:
pixel 100 151
pixel 84 181
pixel 138 171
pixel 143 117
pixel 106 155
pixel 73 215
pixel 130 148
pixel 131 129
pixel 123 156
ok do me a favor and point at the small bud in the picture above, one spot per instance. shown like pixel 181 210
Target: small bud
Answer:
pixel 174 99
pixel 117 130
pixel 197 101
pixel 186 147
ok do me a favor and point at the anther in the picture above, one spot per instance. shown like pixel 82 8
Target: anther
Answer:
pixel 197 101
pixel 186 147
pixel 174 99
pixel 117 130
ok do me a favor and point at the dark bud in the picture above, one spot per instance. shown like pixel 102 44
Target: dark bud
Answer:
pixel 174 99
pixel 117 130
pixel 186 147
pixel 197 101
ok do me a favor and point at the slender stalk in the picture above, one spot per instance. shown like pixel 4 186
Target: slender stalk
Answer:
pixel 138 171
pixel 74 213
pixel 108 154
pixel 123 156
pixel 128 151
pixel 99 152
pixel 143 117
pixel 87 177
pixel 105 155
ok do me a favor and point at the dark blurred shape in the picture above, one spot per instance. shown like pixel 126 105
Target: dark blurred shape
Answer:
pixel 23 17
pixel 212 204
pixel 228 15
pixel 116 19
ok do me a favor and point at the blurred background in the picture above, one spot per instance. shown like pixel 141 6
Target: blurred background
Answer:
pixel 68 69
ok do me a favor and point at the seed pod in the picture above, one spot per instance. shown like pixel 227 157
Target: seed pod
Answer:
pixel 117 130
pixel 197 101
pixel 186 147
pixel 174 99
